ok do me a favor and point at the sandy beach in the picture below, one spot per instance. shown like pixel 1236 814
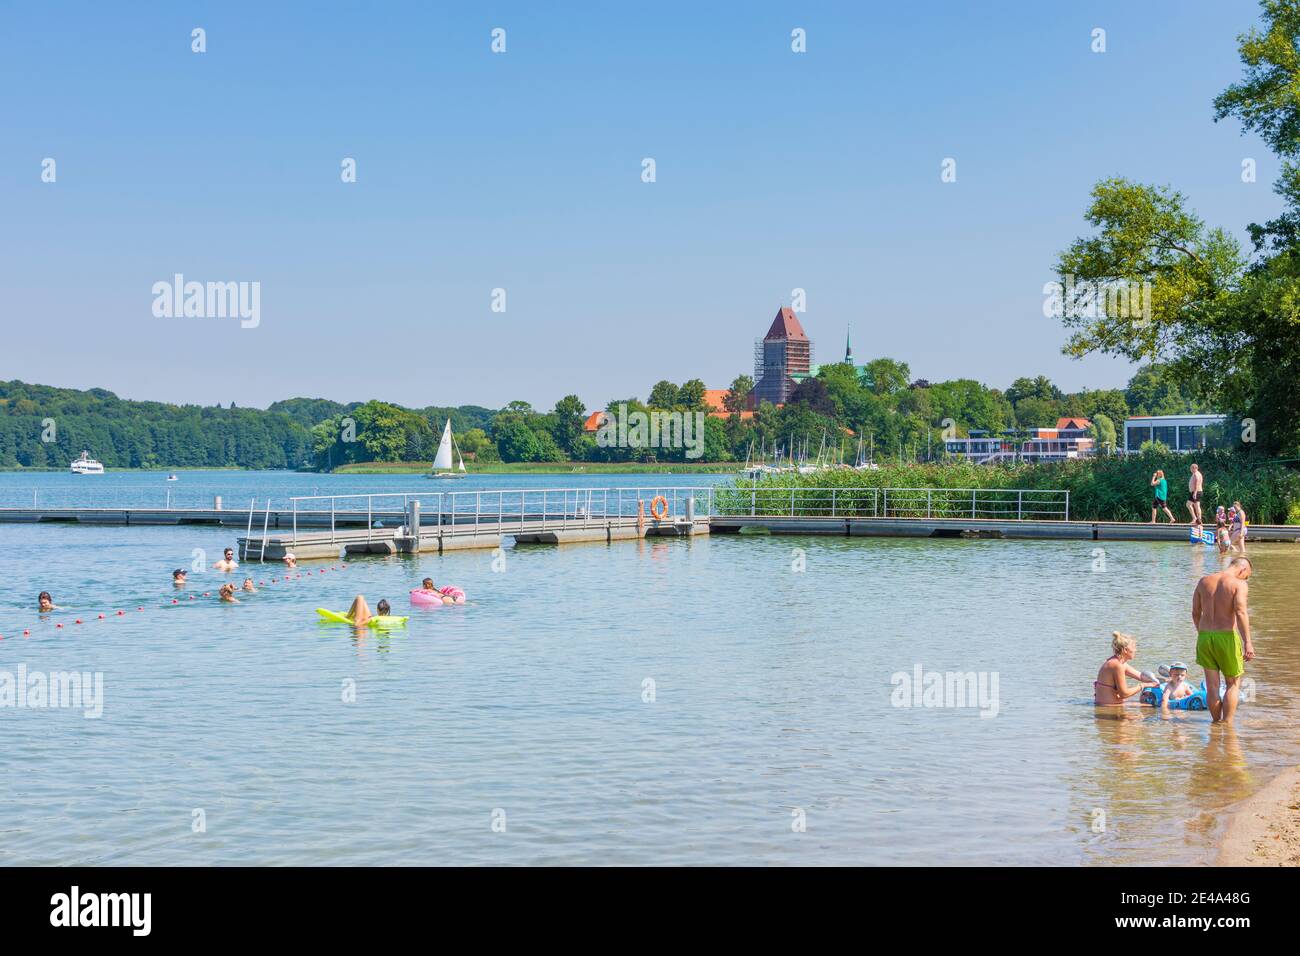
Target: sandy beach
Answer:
pixel 1265 829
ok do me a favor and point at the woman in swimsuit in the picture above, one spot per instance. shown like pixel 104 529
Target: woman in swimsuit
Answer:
pixel 359 612
pixel 1237 526
pixel 1111 686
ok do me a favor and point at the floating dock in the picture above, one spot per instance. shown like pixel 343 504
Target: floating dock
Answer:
pixel 425 522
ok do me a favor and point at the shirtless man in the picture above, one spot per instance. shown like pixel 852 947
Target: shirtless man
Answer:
pixel 227 562
pixel 1194 486
pixel 1220 614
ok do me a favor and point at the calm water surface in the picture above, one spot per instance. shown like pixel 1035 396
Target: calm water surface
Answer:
pixel 772 696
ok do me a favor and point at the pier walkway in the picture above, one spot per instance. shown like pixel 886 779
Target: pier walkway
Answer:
pixel 323 526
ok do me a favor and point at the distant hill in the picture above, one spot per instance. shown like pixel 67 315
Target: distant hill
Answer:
pixel 42 426
pixel 310 411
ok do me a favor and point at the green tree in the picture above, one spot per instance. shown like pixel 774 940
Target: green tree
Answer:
pixel 885 376
pixel 1103 433
pixel 663 395
pixel 738 394
pixel 690 397
pixel 569 414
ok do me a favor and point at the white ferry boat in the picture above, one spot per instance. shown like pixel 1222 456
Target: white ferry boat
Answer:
pixel 85 465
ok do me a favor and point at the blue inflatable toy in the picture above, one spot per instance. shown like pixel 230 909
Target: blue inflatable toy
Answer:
pixel 1202 537
pixel 1193 701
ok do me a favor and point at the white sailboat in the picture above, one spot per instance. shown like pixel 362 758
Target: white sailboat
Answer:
pixel 442 461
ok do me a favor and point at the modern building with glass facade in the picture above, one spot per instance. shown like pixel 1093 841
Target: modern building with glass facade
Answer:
pixel 1179 432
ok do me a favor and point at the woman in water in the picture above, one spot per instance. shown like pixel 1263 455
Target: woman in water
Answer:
pixel 227 593
pixel 1111 686
pixel 46 603
pixel 359 612
pixel 1237 526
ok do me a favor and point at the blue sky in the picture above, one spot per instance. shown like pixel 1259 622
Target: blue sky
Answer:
pixel 522 171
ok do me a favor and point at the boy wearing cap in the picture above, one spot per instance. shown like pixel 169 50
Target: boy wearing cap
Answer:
pixel 1177 687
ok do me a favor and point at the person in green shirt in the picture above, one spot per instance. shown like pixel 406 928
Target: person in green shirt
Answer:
pixel 1161 500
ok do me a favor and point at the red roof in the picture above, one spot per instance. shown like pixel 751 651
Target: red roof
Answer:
pixel 593 422
pixel 713 398
pixel 1073 423
pixel 785 326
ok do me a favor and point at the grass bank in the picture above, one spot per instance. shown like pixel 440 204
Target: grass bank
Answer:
pixel 1103 489
pixel 545 468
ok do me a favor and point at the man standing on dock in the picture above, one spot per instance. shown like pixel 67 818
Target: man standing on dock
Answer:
pixel 1220 614
pixel 1194 486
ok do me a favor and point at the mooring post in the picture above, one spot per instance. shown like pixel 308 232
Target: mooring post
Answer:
pixel 413 523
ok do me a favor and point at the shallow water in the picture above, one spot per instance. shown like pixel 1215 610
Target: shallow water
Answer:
pixel 771 703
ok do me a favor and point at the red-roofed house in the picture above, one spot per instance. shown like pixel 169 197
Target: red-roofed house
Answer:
pixel 715 398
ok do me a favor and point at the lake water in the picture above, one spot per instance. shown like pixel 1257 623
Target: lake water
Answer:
pixel 662 701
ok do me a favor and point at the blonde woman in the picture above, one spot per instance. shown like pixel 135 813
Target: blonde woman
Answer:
pixel 1160 501
pixel 359 612
pixel 1111 686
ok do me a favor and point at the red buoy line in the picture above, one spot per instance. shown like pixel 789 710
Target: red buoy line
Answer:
pixel 58 626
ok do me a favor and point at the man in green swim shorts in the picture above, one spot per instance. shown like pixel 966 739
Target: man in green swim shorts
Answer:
pixel 1220 614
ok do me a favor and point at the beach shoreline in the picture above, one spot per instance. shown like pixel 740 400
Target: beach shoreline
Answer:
pixel 1264 829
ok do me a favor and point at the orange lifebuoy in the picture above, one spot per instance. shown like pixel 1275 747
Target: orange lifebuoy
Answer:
pixel 654 507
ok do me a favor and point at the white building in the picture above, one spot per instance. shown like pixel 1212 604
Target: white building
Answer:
pixel 1180 432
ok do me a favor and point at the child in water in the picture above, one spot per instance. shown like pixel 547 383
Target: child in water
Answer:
pixel 227 593
pixel 248 586
pixel 46 603
pixel 1178 686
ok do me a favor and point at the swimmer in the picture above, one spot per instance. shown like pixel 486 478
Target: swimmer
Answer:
pixel 1177 687
pixel 1222 540
pixel 178 578
pixel 383 609
pixel 227 593
pixel 227 562
pixel 248 586
pixel 359 612
pixel 1111 686
pixel 428 587
pixel 46 603
pixel 290 560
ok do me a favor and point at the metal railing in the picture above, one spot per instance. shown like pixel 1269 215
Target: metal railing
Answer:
pixel 387 515
pixel 498 512
pixel 1005 504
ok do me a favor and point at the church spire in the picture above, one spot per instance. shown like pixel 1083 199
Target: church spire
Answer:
pixel 848 346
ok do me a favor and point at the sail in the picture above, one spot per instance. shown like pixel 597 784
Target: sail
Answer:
pixel 443 458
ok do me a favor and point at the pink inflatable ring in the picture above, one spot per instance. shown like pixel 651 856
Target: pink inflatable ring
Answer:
pixel 435 598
